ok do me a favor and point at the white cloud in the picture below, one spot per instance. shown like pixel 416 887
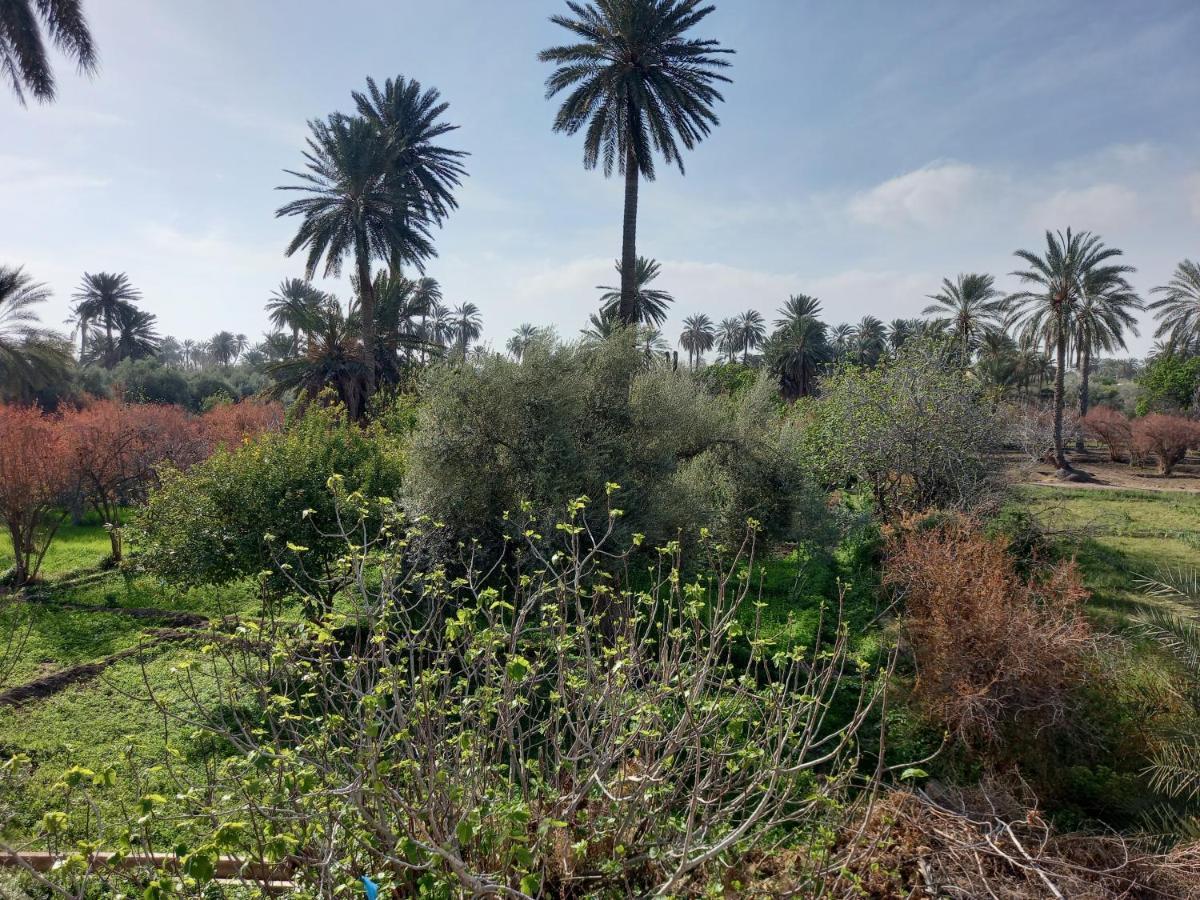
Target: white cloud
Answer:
pixel 1101 206
pixel 929 196
pixel 22 174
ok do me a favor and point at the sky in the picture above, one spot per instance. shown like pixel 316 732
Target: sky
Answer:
pixel 866 150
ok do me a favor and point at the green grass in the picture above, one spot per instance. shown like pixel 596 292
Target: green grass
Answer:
pixel 74 547
pixel 1117 536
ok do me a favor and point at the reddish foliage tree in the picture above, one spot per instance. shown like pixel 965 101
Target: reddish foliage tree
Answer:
pixel 994 650
pixel 229 424
pixel 117 448
pixel 35 475
pixel 1110 428
pixel 1166 438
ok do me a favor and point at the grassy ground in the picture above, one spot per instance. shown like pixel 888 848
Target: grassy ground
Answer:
pixel 75 547
pixel 1117 536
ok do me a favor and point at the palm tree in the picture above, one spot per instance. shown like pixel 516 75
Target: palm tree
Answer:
pixel 23 56
pixel 600 327
pixel 1046 312
pixel 466 324
pixel 651 342
pixel 869 341
pixel 423 174
pixel 523 335
pixel 636 84
pixel 752 332
pixel 426 294
pixel 332 359
pixel 352 210
pixel 100 298
pixel 699 335
pixel 796 353
pixel 967 306
pixel 729 338
pixel 900 332
pixel 1178 310
pixel 841 339
pixel 293 305
pixel 797 307
pixel 1100 325
pixel 137 336
pixel 650 304
pixel 31 357
pixel 223 347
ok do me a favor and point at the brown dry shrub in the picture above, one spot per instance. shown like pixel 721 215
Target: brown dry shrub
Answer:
pixel 1111 428
pixel 1166 438
pixel 993 650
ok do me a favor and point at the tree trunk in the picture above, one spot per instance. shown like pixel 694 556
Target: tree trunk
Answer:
pixel 1085 366
pixel 627 309
pixel 1060 456
pixel 366 310
pixel 109 354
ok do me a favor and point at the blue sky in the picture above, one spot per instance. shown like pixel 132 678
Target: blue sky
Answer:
pixel 866 150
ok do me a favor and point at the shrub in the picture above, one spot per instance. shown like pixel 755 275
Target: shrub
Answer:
pixel 1166 438
pixel 566 421
pixel 548 736
pixel 229 425
pixel 241 510
pixel 35 475
pixel 994 651
pixel 1110 428
pixel 914 432
pixel 1169 384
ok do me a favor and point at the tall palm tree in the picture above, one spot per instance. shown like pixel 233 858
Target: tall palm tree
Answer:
pixel 968 307
pixel 293 305
pixel 752 332
pixel 1103 317
pixel 31 357
pixel 1046 312
pixel 651 342
pixel 467 325
pixel 223 347
pixel 841 339
pixel 1178 309
pixel 352 209
pixel 523 335
pixel 423 173
pixel 796 353
pixel 729 338
pixel 426 294
pixel 636 84
pixel 797 307
pixel 650 304
pixel 137 334
pixel 99 299
pixel 869 341
pixel 699 335
pixel 23 57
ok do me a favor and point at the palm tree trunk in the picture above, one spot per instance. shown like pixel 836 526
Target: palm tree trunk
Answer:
pixel 1085 366
pixel 1060 456
pixel 627 310
pixel 109 353
pixel 366 310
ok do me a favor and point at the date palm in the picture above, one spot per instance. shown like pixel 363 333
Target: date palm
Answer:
pixel 352 210
pixel 699 335
pixel 137 333
pixel 423 173
pixel 869 341
pixel 332 359
pixel 31 357
pixel 650 304
pixel 23 57
pixel 796 353
pixel 1103 317
pixel 600 328
pixel 293 306
pixel 523 336
pixel 797 307
pixel 729 338
pixel 1178 308
pixel 841 339
pixel 635 84
pixel 466 325
pixel 752 332
pixel 967 307
pixel 99 300
pixel 1046 311
pixel 223 347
